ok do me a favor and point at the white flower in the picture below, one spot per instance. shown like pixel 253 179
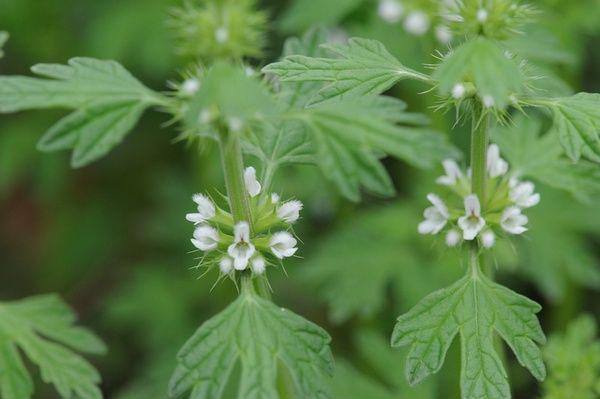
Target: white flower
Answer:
pixel 190 87
pixel 205 116
pixel 226 265
pixel 235 124
pixel 496 166
pixel 452 238
pixel 472 222
pixel 390 10
pixel 206 238
pixel 453 173
pixel 443 34
pixel 482 15
pixel 513 221
pixel 283 244
pixel 241 250
pixel 274 198
pixel 488 239
pixel 252 185
pixel 222 34
pixel 458 91
pixel 206 209
pixel 416 23
pixel 258 264
pixel 436 216
pixel 249 71
pixel 289 211
pixel 488 101
pixel 522 194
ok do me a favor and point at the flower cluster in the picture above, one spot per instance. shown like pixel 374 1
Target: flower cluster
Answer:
pixel 245 245
pixel 462 215
pixel 416 21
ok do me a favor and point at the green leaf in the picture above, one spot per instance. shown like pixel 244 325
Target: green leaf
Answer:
pixel 303 14
pixel 108 101
pixel 577 124
pixel 364 68
pixel 482 62
pixel 347 137
pixel 83 82
pixel 573 359
pixel 43 328
pixel 3 40
pixel 473 307
pixel 264 339
pixel 540 157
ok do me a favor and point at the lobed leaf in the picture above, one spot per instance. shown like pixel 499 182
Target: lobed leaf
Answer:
pixel 43 328
pixel 364 68
pixel 263 339
pixel 474 307
pixel 107 99
pixel 577 124
pixel 482 62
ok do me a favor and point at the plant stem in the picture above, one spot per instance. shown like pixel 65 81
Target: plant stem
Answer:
pixel 233 170
pixel 479 145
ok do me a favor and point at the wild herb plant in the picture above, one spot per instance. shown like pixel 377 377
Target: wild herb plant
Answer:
pixel 485 81
pixel 253 348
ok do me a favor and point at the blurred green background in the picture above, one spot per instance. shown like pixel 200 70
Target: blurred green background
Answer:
pixel 113 241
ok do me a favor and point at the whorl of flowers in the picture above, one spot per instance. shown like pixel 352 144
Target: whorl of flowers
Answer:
pixel 246 245
pixel 460 215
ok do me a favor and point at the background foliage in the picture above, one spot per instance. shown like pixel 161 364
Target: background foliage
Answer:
pixel 111 238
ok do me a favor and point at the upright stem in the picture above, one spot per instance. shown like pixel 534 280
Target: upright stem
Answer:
pixel 233 169
pixel 479 145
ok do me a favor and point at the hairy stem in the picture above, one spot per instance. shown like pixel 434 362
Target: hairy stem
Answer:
pixel 233 170
pixel 479 144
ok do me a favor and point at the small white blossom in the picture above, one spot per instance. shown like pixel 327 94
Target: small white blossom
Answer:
pixel 496 166
pixel 390 10
pixel 452 238
pixel 226 265
pixel 241 250
pixel 417 23
pixel 206 238
pixel 222 34
pixel 289 211
pixel 252 185
pixel 235 124
pixel 488 239
pixel 523 195
pixel 443 34
pixel 513 221
pixel 258 264
pixel 436 216
pixel 205 116
pixel 274 198
pixel 482 15
pixel 190 87
pixel 283 244
pixel 488 101
pixel 472 222
pixel 206 209
pixel 249 71
pixel 453 173
pixel 458 91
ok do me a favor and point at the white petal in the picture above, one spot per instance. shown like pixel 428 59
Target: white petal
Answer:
pixel 206 207
pixel 513 221
pixel 241 232
pixel 417 23
pixel 482 15
pixel 222 34
pixel 190 87
pixel 252 185
pixel 472 206
pixel 443 34
pixel 241 254
pixel 390 10
pixel 283 244
pixel 274 198
pixel 471 226
pixel 438 204
pixel 206 238
pixel 452 238
pixel 458 91
pixel 488 238
pixel 226 265
pixel 289 211
pixel 258 265
pixel 195 218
